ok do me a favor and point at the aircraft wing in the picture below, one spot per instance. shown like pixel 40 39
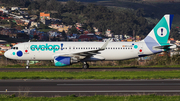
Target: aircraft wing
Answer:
pixel 93 52
pixel 85 54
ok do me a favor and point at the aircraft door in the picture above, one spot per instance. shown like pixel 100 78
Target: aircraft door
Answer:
pixel 26 49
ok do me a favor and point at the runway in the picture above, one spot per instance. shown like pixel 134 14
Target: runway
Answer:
pixel 90 69
pixel 88 87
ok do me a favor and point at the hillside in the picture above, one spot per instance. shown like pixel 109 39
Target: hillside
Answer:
pixel 122 17
pixel 154 10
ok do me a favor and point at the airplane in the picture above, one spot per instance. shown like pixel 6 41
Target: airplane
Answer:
pixel 68 53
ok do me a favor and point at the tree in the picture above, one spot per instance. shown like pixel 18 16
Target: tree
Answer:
pixel 34 5
pixel 64 35
pixel 139 12
pixel 67 21
pixel 73 30
pixel 12 24
pixel 36 37
pixel 90 29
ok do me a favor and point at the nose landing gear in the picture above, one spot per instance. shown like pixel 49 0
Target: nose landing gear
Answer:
pixel 27 64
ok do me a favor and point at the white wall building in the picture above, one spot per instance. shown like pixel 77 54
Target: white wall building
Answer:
pixel 15 8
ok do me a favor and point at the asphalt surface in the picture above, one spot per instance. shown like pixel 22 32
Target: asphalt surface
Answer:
pixel 52 88
pixel 90 69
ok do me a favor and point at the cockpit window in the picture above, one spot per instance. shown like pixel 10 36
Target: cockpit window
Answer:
pixel 15 48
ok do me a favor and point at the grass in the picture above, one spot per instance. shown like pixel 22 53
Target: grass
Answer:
pixel 91 66
pixel 174 74
pixel 151 97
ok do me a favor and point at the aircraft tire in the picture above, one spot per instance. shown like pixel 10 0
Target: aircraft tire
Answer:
pixel 27 67
pixel 85 66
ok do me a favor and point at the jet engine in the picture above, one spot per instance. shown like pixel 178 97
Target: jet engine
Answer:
pixel 64 60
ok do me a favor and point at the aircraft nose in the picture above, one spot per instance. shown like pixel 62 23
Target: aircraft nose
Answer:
pixel 6 54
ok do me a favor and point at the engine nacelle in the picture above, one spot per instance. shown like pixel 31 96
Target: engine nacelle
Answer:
pixel 64 60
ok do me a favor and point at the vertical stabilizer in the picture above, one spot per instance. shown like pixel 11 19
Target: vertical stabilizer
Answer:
pixel 159 34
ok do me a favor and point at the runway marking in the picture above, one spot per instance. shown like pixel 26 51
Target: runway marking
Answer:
pixel 109 91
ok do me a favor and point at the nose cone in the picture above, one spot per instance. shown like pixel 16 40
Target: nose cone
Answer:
pixel 6 54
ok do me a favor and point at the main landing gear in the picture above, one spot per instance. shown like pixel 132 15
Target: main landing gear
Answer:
pixel 85 65
pixel 27 64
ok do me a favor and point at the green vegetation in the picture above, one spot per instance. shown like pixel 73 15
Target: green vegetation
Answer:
pixel 89 15
pixel 154 61
pixel 175 74
pixel 151 97
pixel 121 16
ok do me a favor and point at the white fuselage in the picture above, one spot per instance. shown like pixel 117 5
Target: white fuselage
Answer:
pixel 48 50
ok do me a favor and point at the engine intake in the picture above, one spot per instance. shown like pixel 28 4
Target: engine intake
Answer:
pixel 64 60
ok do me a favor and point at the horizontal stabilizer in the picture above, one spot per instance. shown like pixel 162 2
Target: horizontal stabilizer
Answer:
pixel 163 47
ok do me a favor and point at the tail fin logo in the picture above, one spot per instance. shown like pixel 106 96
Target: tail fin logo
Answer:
pixel 159 34
pixel 162 32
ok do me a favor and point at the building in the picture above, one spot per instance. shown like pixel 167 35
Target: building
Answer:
pixel 96 29
pixel 55 26
pixel 3 10
pixel 36 24
pixel 24 9
pixel 15 8
pixel 22 22
pixel 44 15
pixel 108 33
pixel 88 37
pixel 78 25
pixel 64 28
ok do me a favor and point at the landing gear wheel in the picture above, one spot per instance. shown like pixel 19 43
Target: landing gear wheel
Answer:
pixel 27 64
pixel 85 65
pixel 27 67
